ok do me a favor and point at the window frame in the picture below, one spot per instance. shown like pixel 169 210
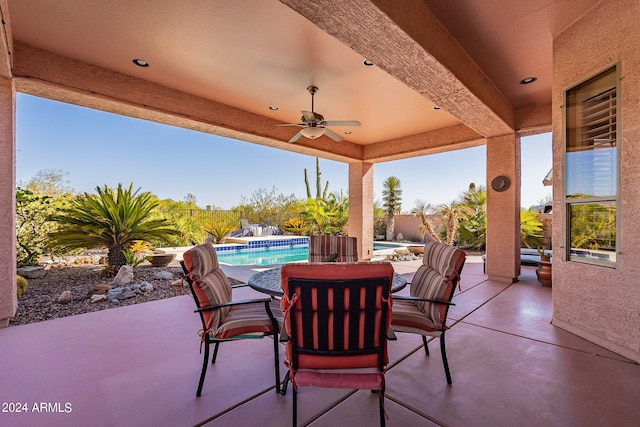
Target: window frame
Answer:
pixel 567 203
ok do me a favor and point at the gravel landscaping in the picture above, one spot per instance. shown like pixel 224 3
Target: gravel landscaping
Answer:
pixel 40 301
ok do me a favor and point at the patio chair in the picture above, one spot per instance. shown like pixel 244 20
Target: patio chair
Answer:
pixel 425 311
pixel 333 249
pixel 336 322
pixel 224 319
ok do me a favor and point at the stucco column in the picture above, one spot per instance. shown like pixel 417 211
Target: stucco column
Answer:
pixel 361 207
pixel 503 209
pixel 8 299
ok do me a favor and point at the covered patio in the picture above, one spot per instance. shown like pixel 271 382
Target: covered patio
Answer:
pixel 139 365
pixel 445 77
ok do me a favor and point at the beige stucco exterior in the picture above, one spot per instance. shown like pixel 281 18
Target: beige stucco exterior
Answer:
pixel 601 304
pixel 8 299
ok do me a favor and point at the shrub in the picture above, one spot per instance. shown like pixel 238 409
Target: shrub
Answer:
pixel 296 226
pixel 22 285
pixel 219 230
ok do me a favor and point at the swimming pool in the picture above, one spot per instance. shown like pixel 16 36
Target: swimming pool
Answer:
pixel 264 256
pixel 379 246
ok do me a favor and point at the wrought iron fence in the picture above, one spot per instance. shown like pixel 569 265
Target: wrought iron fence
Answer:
pixel 205 216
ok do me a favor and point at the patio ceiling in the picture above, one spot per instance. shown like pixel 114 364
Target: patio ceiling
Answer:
pixel 217 66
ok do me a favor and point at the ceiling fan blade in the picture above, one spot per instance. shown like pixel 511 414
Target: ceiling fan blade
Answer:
pixel 296 137
pixel 293 124
pixel 331 134
pixel 343 123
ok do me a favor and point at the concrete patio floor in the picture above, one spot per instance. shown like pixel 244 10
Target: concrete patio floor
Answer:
pixel 139 366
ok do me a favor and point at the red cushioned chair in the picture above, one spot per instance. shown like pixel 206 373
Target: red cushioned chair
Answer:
pixel 333 248
pixel 224 319
pixel 336 320
pixel 425 311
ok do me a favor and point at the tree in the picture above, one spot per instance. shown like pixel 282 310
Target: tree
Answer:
pixel 33 213
pixel 111 219
pixel 391 196
pixel 48 182
pixel 423 209
pixel 452 214
pixel 472 230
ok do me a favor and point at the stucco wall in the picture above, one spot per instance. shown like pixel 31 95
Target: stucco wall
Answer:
pixel 598 303
pixel 8 300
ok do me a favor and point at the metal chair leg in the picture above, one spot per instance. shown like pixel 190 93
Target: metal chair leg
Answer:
pixel 215 353
pixel 205 359
pixel 443 350
pixel 426 346
pixel 276 356
pixel 285 383
pixel 295 407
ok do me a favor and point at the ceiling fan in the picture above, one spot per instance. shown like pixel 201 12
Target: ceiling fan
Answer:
pixel 315 125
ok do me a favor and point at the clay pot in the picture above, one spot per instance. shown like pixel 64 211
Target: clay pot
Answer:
pixel 544 273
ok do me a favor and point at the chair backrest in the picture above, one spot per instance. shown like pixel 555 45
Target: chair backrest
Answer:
pixel 436 278
pixel 209 285
pixel 322 247
pixel 244 224
pixel 337 315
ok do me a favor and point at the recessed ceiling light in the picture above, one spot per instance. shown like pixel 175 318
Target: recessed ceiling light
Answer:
pixel 141 62
pixel 436 107
pixel 528 80
pixel 347 132
pixel 367 63
pixel 273 107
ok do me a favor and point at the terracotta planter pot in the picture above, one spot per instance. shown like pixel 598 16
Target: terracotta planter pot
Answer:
pixel 544 273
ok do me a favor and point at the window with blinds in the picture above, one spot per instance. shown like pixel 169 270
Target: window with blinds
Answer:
pixel 591 169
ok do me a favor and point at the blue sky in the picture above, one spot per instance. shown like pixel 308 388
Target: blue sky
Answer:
pixel 94 148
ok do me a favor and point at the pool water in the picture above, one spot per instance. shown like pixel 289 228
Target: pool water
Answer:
pixel 266 256
pixel 378 246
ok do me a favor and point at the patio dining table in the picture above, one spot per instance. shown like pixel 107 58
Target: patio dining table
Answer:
pixel 268 282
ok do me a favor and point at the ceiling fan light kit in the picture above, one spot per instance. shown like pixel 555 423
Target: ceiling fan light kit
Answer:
pixel 315 125
pixel 312 132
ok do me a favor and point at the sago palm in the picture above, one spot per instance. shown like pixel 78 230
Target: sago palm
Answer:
pixel 111 219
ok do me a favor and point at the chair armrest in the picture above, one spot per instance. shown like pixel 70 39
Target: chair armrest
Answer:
pixel 232 303
pixel 240 285
pixel 284 337
pixel 417 299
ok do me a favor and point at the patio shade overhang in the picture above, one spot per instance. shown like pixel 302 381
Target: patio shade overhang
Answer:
pixel 217 67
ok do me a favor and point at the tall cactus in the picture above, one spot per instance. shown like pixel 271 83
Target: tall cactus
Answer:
pixel 319 194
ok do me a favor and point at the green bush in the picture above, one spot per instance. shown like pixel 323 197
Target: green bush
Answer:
pixel 22 285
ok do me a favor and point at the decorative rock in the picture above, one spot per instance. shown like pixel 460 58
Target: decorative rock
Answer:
pixel 124 276
pixel 165 275
pixel 399 236
pixel 102 287
pixel 126 295
pixel 402 251
pixel 96 298
pixel 146 286
pixel 34 272
pixel 65 297
pixel 177 283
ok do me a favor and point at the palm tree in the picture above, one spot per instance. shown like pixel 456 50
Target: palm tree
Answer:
pixel 452 214
pixel 391 196
pixel 111 219
pixel 422 209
